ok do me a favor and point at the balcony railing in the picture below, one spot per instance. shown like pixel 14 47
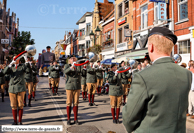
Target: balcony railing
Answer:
pixel 82 37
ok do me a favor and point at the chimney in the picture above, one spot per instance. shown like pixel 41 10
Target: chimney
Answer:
pixel 106 1
pixel 5 4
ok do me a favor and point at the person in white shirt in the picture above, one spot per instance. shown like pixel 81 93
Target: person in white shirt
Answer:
pixel 191 93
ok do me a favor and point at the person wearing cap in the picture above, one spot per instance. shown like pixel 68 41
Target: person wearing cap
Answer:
pixel 83 82
pixel 29 83
pixel 91 82
pixel 17 87
pixel 55 77
pixel 47 57
pixel 184 65
pixel 99 75
pixel 124 79
pixel 115 92
pixel 2 82
pixel 34 79
pixel 158 97
pixel 72 87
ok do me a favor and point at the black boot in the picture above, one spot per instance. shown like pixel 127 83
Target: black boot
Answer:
pixel 2 94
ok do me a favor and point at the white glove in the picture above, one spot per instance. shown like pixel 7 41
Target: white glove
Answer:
pixel 49 77
pixel 130 71
pixel 116 72
pixel 57 68
pixel 25 57
pixel 100 67
pixel 13 62
pixel 93 66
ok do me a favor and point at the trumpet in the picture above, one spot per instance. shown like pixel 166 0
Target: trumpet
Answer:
pixel 177 58
pixel 30 50
pixel 132 63
pixel 91 57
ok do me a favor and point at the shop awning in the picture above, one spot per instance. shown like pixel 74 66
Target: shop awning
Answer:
pixel 107 62
pixel 135 55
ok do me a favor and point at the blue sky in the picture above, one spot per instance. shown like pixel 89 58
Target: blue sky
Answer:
pixel 59 14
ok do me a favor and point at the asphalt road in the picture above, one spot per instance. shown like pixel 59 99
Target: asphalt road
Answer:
pixel 51 110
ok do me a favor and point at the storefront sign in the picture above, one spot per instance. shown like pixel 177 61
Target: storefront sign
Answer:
pixel 4 41
pixel 163 1
pixel 161 11
pixel 122 21
pixel 122 46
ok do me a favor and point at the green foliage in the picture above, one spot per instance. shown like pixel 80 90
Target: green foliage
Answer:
pixel 23 39
pixel 96 49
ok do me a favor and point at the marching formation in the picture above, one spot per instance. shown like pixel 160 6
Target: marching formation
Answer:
pixel 151 88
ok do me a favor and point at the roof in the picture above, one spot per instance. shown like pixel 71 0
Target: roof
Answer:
pixel 105 9
pixel 83 18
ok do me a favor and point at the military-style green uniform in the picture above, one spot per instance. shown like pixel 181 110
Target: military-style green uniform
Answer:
pixel 83 83
pixel 158 99
pixel 29 85
pixel 99 75
pixel 2 83
pixel 115 93
pixel 91 83
pixel 17 88
pixel 124 79
pixel 34 79
pixel 55 77
pixel 7 79
pixel 72 87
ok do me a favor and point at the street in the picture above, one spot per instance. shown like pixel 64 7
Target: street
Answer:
pixel 51 110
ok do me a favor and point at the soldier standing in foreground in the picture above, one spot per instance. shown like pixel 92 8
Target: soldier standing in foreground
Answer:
pixel 17 88
pixel 72 87
pixel 158 97
pixel 115 92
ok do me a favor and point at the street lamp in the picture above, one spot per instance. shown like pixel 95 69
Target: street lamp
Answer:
pixel 91 35
pixel 98 31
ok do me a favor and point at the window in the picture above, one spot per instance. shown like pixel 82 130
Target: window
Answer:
pixel 144 17
pixel 183 9
pixel 126 6
pixel 82 32
pixel 88 29
pixel 184 47
pixel 120 35
pixel 120 10
pixel 87 44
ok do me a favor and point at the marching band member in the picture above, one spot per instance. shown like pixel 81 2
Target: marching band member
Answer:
pixel 17 88
pixel 2 82
pixel 158 97
pixel 99 74
pixel 124 79
pixel 83 83
pixel 91 82
pixel 49 75
pixel 29 83
pixel 34 79
pixel 55 77
pixel 72 87
pixel 115 92
pixel 7 79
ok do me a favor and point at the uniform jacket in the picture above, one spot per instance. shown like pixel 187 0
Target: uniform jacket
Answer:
pixel 83 76
pixel 125 76
pixel 28 74
pixel 115 85
pixel 73 77
pixel 99 73
pixel 158 99
pixel 7 77
pixel 91 75
pixel 17 81
pixel 55 71
pixel 49 71
pixel 2 77
pixel 34 73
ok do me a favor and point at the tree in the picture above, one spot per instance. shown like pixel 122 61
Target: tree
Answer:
pixel 96 49
pixel 20 42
